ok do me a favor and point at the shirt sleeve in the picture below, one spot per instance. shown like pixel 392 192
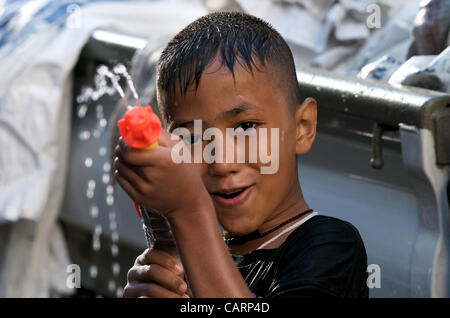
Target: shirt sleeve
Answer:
pixel 327 261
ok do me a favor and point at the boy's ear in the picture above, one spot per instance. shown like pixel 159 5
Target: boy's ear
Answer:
pixel 306 123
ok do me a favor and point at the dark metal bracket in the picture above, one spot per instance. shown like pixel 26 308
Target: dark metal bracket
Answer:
pixel 377 161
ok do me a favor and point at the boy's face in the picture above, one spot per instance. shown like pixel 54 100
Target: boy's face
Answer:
pixel 245 200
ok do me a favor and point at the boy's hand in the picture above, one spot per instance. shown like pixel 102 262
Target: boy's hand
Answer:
pixel 153 180
pixel 155 274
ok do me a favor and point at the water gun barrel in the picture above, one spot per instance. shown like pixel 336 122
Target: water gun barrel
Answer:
pixel 140 128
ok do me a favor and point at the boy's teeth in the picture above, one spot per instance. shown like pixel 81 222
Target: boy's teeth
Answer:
pixel 231 194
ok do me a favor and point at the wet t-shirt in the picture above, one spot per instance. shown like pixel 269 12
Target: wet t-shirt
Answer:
pixel 324 257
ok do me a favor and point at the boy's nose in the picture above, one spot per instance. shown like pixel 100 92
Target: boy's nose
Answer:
pixel 223 169
pixel 224 166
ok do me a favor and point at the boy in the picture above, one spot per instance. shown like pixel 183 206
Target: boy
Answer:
pixel 232 70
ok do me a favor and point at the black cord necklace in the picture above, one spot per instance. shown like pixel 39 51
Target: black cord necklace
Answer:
pixel 238 240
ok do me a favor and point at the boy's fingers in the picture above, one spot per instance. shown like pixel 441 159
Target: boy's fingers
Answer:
pixel 160 275
pixel 141 157
pixel 154 256
pixel 127 187
pixel 148 290
pixel 134 178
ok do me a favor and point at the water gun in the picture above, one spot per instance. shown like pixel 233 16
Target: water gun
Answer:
pixel 140 128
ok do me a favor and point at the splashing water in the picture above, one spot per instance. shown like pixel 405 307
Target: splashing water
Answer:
pixel 106 82
pixel 103 73
pixel 120 69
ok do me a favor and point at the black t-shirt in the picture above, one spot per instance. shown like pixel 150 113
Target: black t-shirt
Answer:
pixel 324 257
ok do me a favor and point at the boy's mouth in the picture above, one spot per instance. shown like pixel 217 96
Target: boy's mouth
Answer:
pixel 231 197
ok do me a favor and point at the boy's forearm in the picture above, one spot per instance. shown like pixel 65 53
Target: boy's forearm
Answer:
pixel 209 268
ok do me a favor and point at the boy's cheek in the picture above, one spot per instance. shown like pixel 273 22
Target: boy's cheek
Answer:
pixel 202 169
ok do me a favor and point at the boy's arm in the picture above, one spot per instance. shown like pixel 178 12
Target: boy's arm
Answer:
pixel 210 269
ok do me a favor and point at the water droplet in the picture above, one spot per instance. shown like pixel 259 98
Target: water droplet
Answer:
pixel 106 167
pixel 106 178
pixel 109 200
pixel 102 151
pixel 96 244
pixel 114 250
pixel 91 184
pixel 116 269
pixel 82 109
pixel 89 193
pixel 112 215
pixel 98 230
pixel 111 285
pixel 99 108
pixel 85 135
pixel 93 271
pixel 93 211
pixel 96 133
pixel 110 190
pixel 103 122
pixel 115 237
pixel 119 292
pixel 88 162
pixel 345 109
pixel 113 226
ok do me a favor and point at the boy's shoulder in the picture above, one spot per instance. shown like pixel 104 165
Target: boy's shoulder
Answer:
pixel 325 256
pixel 328 224
pixel 324 253
pixel 323 229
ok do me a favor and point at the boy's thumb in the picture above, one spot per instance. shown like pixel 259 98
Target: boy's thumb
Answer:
pixel 167 139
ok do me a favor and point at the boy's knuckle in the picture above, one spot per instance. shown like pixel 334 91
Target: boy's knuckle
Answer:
pixel 176 283
pixel 140 260
pixel 170 264
pixel 144 187
pixel 148 270
pixel 131 274
pixel 147 256
pixel 127 291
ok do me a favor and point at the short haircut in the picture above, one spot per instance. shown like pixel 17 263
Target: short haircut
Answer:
pixel 231 36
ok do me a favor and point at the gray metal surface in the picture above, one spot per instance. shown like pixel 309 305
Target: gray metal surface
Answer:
pixel 400 210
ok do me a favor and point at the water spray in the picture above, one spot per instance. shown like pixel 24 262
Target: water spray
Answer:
pixel 140 128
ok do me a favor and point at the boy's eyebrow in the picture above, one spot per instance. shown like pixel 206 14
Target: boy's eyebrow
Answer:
pixel 236 110
pixel 244 106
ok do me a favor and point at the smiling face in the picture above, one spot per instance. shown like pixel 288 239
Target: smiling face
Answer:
pixel 246 200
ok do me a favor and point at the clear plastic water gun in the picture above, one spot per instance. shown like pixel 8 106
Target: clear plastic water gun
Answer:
pixel 140 128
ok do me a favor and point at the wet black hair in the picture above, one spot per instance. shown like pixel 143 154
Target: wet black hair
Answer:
pixel 233 37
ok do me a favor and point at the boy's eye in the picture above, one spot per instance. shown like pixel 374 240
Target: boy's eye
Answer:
pixel 191 139
pixel 245 126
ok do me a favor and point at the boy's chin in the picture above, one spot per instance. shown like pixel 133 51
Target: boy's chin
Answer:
pixel 232 229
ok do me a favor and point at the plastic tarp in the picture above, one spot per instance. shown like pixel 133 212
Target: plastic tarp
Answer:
pixel 40 42
pixel 339 35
